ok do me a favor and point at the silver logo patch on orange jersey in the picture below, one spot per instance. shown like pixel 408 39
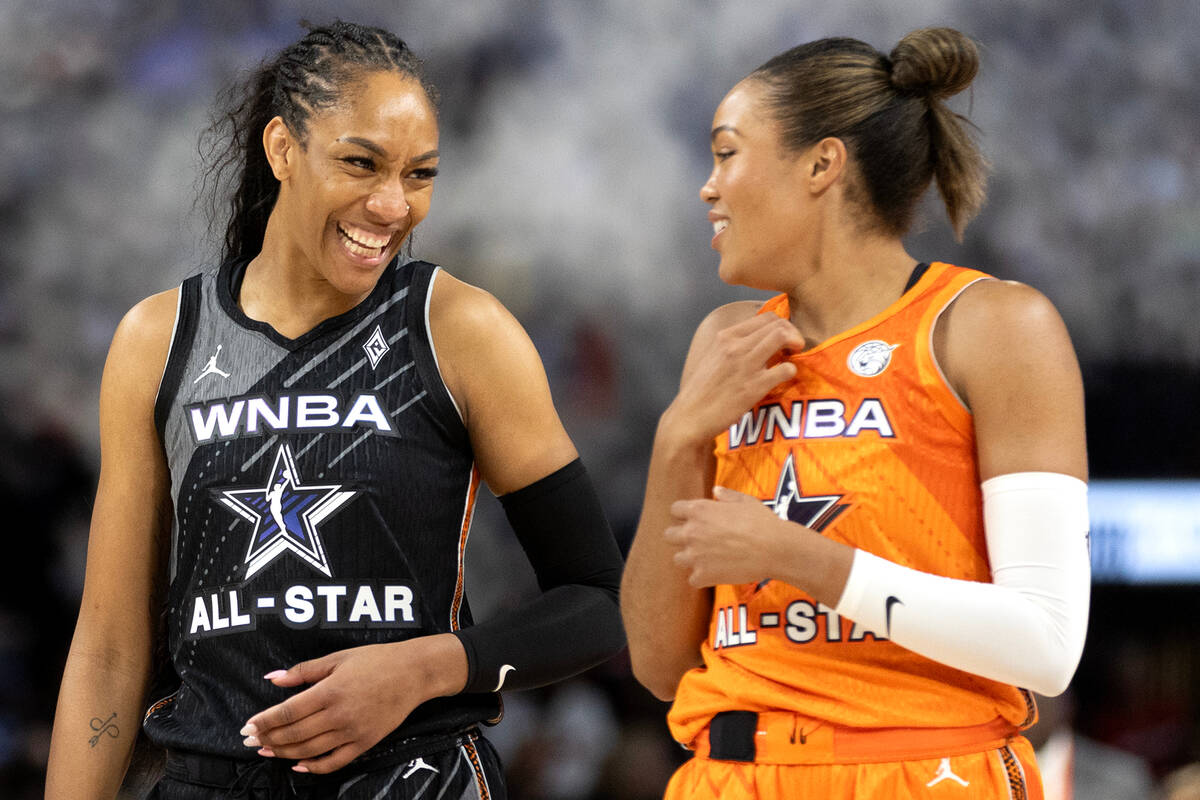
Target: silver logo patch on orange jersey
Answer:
pixel 870 358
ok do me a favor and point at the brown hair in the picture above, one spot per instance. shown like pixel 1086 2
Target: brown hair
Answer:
pixel 890 112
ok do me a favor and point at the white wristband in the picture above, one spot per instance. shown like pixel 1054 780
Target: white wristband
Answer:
pixel 1026 627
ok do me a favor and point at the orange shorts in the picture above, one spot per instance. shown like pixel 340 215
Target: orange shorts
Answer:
pixel 788 765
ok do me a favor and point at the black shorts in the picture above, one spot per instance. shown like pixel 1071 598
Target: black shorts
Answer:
pixel 465 768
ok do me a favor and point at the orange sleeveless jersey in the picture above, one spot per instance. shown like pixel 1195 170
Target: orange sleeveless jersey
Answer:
pixel 868 445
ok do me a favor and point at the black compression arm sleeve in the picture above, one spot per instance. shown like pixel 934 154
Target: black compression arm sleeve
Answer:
pixel 576 622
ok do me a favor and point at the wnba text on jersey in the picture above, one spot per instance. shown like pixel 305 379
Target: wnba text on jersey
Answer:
pixel 298 411
pixel 812 419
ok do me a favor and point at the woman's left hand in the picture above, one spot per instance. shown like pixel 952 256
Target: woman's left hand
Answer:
pixel 733 538
pixel 357 697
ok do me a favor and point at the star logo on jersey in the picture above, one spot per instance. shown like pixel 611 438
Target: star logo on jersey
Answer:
pixel 286 515
pixel 376 347
pixel 815 512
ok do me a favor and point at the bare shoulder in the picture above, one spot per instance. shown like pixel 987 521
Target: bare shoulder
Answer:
pixel 996 303
pixel 995 327
pixel 138 353
pixel 472 329
pixel 464 310
pixel 136 361
pixel 129 390
pixel 1005 349
pixel 481 347
pixel 150 319
pixel 1007 352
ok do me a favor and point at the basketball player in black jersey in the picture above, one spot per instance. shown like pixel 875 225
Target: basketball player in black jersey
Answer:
pixel 291 448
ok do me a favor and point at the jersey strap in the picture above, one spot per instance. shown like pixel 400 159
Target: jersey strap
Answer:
pixel 187 314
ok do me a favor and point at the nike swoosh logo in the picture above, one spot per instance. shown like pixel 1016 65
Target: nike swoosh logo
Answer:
pixel 504 670
pixel 891 601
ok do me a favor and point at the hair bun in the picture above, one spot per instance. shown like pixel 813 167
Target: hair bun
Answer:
pixel 938 61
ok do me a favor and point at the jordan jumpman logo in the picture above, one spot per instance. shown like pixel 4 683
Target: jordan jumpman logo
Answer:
pixel 211 367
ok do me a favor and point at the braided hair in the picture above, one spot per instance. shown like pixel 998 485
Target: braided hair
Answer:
pixel 307 76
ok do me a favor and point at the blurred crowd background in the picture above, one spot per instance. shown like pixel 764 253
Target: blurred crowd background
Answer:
pixel 574 142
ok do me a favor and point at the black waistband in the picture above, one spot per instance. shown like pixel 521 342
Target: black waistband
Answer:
pixel 236 774
pixel 731 735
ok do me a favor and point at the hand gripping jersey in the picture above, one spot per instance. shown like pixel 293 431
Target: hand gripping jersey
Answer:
pixel 323 488
pixel 868 445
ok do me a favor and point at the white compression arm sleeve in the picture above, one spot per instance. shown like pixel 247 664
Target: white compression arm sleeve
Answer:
pixel 1026 627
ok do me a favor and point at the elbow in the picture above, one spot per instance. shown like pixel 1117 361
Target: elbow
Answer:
pixel 612 632
pixel 1050 646
pixel 660 685
pixel 1054 675
pixel 1049 683
pixel 1051 671
pixel 652 670
pixel 662 693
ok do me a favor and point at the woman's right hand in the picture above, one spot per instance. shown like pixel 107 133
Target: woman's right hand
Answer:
pixel 728 369
pixel 354 698
pixel 723 380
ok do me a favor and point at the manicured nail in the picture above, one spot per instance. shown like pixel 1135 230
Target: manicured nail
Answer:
pixel 266 753
pixel 300 768
pixel 252 741
pixel 279 673
pixel 249 730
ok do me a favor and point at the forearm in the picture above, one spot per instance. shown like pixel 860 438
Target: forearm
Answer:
pixel 437 664
pixel 665 617
pixel 560 633
pixel 95 725
pixel 576 622
pixel 1028 626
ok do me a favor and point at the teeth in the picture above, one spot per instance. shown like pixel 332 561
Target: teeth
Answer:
pixel 359 250
pixel 720 225
pixel 362 238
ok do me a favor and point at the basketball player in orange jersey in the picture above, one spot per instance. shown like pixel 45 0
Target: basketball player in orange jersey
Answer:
pixel 864 535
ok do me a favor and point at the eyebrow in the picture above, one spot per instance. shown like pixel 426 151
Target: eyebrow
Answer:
pixel 367 144
pixel 722 129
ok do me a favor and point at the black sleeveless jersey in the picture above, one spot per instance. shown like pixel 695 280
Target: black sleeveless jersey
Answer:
pixel 323 488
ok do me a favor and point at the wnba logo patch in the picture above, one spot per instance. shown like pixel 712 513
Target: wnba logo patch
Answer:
pixel 376 347
pixel 870 358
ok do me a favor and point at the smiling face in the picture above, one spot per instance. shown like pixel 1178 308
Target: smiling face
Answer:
pixel 761 210
pixel 357 185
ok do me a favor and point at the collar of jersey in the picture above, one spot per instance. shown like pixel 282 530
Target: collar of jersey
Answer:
pixel 229 284
pixel 780 306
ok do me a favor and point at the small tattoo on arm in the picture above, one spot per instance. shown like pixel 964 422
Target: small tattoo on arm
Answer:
pixel 104 727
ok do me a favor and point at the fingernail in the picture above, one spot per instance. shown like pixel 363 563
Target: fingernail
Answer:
pixel 279 673
pixel 300 768
pixel 252 741
pixel 266 753
pixel 249 730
